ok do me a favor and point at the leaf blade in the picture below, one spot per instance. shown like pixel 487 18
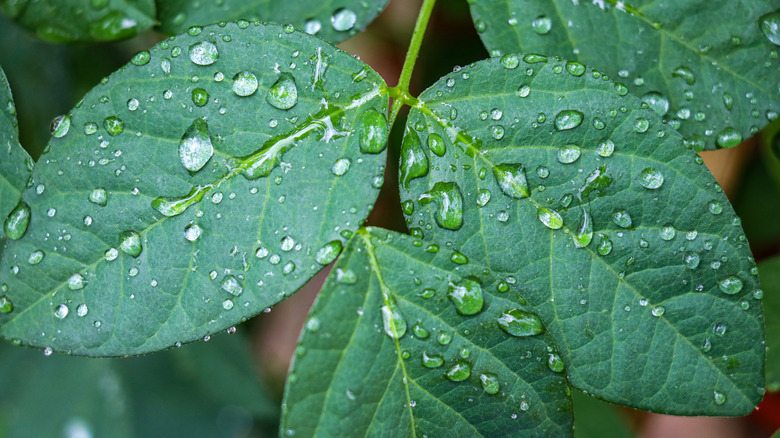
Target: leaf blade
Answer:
pixel 243 243
pixel 598 164
pixel 695 74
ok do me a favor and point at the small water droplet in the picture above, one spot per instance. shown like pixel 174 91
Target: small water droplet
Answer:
pixel 114 125
pixel 467 297
pixel 691 260
pixel 569 154
pixel 575 68
pixel 436 144
pixel 341 166
pixel 61 311
pixel 510 61
pixel 231 285
pixel 719 397
pixel 60 126
pixel 76 282
pixel 458 372
pixel 641 125
pixel 432 361
pixel 685 73
pixel 82 310
pixel 605 245
pixel 489 383
pixel 392 320
pixel 657 311
pixel 6 306
pixel 521 324
pixel 730 285
pixel 657 102
pixel 555 363
pixel 568 119
pixel 195 147
pixel 373 132
pixel 312 26
pixel 328 252
pixel 728 137
pixel 622 219
pixel 444 338
pixel 667 233
pixel 99 196
pixel 192 232
pixel 131 243
pixel 541 25
pixel 35 257
pixel 605 148
pixel 770 26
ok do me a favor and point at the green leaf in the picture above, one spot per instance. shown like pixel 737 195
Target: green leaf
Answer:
pixel 594 418
pixel 15 164
pixel 202 390
pixel 770 280
pixel 142 250
pixel 616 234
pixel 82 20
pixel 331 20
pixel 713 79
pixel 384 313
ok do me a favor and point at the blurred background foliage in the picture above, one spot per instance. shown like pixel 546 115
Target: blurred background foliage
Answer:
pixel 232 385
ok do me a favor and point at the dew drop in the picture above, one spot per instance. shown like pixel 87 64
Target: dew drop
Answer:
pixel 76 282
pixel 6 306
pixel 728 138
pixel 392 320
pixel 568 119
pixel 467 297
pixel 60 126
pixel 550 218
pixel 195 147
pixel 510 61
pixel 657 102
pixel 328 252
pixel 99 196
pixel 641 125
pixel 449 204
pixel 541 25
pixel 667 233
pixel 341 166
pixel 691 260
pixel 730 285
pixel 245 83
pixel 458 372
pixel 432 361
pixel 622 219
pixel 231 285
pixel 719 397
pixel 373 132
pixel 770 26
pixel 605 148
pixel 131 243
pixel 651 178
pixel 114 125
pixel 483 197
pixel 605 245
pixel 555 363
pixel 16 223
pixel 200 97
pixel 575 68
pixel 204 53
pixel 521 324
pixel 192 232
pixel 312 26
pixel 512 180
pixel 489 383
pixel 444 338
pixel 436 144
pixel 61 311
pixel 283 94
pixel 343 19
pixel 569 154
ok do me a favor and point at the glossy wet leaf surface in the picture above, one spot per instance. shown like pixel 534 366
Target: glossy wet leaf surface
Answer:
pixel 629 252
pixel 169 253
pixel 15 164
pixel 201 390
pixel 331 20
pixel 594 418
pixel 427 370
pixel 82 20
pixel 770 282
pixel 714 79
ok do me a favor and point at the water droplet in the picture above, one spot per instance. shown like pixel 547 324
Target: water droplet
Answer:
pixel 312 26
pixel 533 58
pixel 392 320
pixel 667 233
pixel 283 94
pixel 35 257
pixel 728 137
pixel 657 311
pixel 641 125
pixel 651 178
pixel 432 361
pixel 730 285
pixel 449 204
pixel 458 372
pixel 436 144
pixel 622 219
pixel 82 310
pixel 489 383
pixel 231 285
pixel 584 234
pixel 76 282
pixel 141 58
pixel 114 125
pixel 99 196
pixel 569 154
pixel 16 223
pixel 245 84
pixel 685 73
pixel 6 306
pixel 204 53
pixel 343 19
pixel 483 197
pixel 111 254
pixel 420 331
pixel 200 97
pixel 541 25
pixel 524 91
pixel 444 338
pixel 131 243
pixel 575 68
pixel 227 304
pixel 518 323
pixel 373 132
pixel 61 311
pixel 605 245
pixel 466 295
pixel 510 61
pixel 328 252
pixel 458 258
pixel 550 218
pixel 719 397
pixel 195 148
pixel 192 232
pixel 555 363
pixel 341 166
pixel 568 119
pixel 715 207
pixel 657 102
pixel 770 25
pixel 691 260
pixel 60 126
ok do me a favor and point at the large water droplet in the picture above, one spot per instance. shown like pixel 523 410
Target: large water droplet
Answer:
pixel 541 25
pixel 518 323
pixel 6 306
pixel 60 126
pixel 343 19
pixel 458 372
pixel 392 320
pixel 436 144
pixel 99 196
pixel 36 257
pixel 420 331
pixel 466 295
pixel 312 26
pixel 245 84
pixel 432 361
pixel 550 218
pixel 730 285
pixel 728 137
pixel 373 132
pixel 657 102
pixel 691 260
pixel 328 252
pixel 770 25
pixel 231 285
pixel 555 363
pixel 204 53
pixel 17 221
pixel 61 311
pixel 76 282
pixel 568 119
pixel 284 93
pixel 569 154
pixel 605 148
pixel 414 162
pixel 605 245
pixel 651 178
pixel 449 204
pixel 114 125
pixel 512 181
pixel 483 197
pixel 622 219
pixel 575 68
pixel 192 232
pixel 489 383
pixel 195 148
pixel 131 243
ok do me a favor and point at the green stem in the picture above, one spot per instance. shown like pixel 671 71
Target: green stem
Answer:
pixel 401 94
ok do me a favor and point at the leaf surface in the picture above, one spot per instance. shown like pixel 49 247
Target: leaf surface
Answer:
pixel 770 280
pixel 594 418
pixel 611 228
pixel 15 164
pixel 202 183
pixel 331 20
pixel 350 377
pixel 715 79
pixel 82 20
pixel 202 390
